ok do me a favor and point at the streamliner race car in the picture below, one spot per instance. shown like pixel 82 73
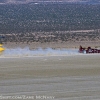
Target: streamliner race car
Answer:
pixel 1 48
pixel 88 50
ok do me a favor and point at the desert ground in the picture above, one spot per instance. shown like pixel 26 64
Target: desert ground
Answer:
pixel 54 45
pixel 72 77
pixel 58 39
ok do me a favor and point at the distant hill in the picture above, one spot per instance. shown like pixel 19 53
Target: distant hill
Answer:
pixel 36 17
pixel 29 1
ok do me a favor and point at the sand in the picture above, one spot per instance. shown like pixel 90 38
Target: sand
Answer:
pixel 72 77
pixel 54 45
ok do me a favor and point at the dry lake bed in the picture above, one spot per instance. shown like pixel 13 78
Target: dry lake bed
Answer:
pixel 72 77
